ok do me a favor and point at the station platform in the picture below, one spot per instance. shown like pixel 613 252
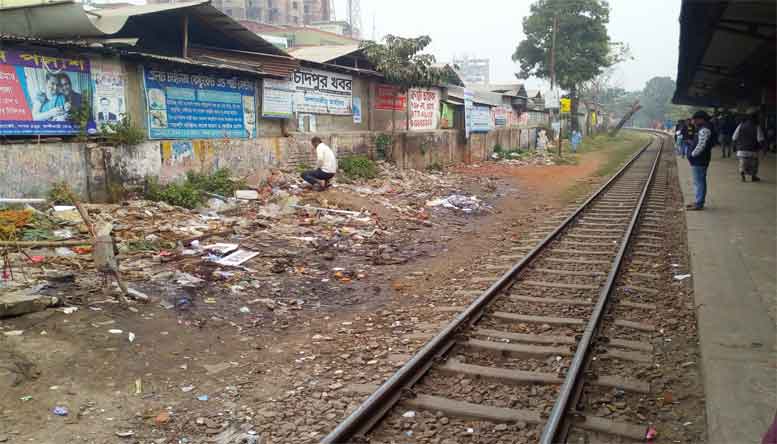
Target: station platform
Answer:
pixel 732 246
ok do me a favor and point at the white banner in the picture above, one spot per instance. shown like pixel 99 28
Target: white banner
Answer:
pixel 276 98
pixel 322 92
pixel 424 109
pixel 110 105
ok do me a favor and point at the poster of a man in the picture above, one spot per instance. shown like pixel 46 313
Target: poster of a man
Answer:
pixel 104 115
pixel 50 103
pixel 66 88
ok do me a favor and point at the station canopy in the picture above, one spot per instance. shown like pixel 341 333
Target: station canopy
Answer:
pixel 727 53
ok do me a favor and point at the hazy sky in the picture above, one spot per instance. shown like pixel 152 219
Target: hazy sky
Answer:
pixel 492 29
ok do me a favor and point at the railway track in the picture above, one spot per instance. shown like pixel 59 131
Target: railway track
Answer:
pixel 552 341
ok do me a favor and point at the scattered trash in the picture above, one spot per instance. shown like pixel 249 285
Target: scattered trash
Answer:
pixel 13 333
pixel 26 398
pixel 651 433
pixel 237 258
pixel 137 295
pixel 202 398
pixel 467 204
pixel 68 310
pixel 682 277
pixel 115 331
pixel 221 249
pixel 245 310
pixel 187 388
pixel 247 194
pixel 162 418
pixel 60 410
pixel 64 252
pixel 409 414
pixel 127 434
pixel 131 337
pixel 63 234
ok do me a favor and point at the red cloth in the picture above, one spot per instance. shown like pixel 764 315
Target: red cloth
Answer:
pixel 771 434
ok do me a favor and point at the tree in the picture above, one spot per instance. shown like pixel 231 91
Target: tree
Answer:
pixel 656 100
pixel 583 47
pixel 402 63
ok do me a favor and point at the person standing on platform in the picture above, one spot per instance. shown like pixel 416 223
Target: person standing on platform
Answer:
pixel 680 131
pixel 748 138
pixel 699 157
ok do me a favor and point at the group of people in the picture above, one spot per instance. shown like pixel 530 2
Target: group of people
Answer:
pixel 696 137
pixel 57 99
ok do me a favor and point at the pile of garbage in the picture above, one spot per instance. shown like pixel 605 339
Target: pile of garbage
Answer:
pixel 460 202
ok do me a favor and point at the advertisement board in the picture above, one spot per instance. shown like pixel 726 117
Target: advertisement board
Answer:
pixel 277 99
pixel 199 106
pixel 40 92
pixel 481 119
pixel 388 97
pixel 424 109
pixel 501 116
pixel 109 80
pixel 469 107
pixel 322 92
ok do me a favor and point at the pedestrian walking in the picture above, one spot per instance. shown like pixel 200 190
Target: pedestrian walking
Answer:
pixel 680 131
pixel 727 128
pixel 326 165
pixel 574 139
pixel 748 139
pixel 688 138
pixel 699 158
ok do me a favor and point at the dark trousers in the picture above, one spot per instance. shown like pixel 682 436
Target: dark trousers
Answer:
pixel 313 176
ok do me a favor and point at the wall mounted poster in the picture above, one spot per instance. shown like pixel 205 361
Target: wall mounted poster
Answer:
pixel 424 109
pixel 482 122
pixel 109 79
pixel 39 91
pixel 277 99
pixel 199 106
pixel 322 92
pixel 388 97
pixel 357 110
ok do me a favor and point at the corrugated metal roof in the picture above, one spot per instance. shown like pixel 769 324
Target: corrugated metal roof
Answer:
pixel 481 97
pixel 98 48
pixel 323 54
pixel 72 21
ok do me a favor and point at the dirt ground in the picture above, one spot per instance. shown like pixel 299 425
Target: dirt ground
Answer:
pixel 277 373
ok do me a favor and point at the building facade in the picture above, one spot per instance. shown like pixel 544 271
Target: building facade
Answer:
pixel 277 12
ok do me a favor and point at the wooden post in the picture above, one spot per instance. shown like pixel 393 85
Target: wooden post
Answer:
pixel 185 35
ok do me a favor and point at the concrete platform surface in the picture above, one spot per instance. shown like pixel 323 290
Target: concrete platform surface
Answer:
pixel 732 245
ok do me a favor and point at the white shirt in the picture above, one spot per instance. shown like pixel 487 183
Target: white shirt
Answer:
pixel 326 159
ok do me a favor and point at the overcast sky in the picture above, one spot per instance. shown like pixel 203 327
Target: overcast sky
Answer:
pixel 492 29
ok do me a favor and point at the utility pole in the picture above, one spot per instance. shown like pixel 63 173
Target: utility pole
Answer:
pixel 553 75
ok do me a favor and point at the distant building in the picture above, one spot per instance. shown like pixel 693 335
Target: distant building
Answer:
pixel 297 36
pixel 474 71
pixel 276 12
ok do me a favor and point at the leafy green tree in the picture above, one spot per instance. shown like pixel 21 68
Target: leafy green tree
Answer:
pixel 402 62
pixel 656 100
pixel 583 47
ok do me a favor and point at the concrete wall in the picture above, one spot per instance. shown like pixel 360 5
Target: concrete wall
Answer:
pixel 28 170
pixel 94 172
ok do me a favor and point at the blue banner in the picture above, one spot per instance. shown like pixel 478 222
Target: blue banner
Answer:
pixel 196 106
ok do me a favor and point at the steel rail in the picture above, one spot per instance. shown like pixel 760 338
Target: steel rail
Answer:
pixel 571 388
pixel 376 405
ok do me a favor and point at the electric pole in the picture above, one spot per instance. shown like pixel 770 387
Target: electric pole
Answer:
pixel 553 76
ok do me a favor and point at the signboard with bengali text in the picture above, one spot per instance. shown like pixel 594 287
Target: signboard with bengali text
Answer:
pixel 199 106
pixel 40 91
pixel 322 92
pixel 424 109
